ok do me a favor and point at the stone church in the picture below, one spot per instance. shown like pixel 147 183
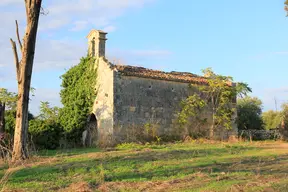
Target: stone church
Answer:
pixel 135 103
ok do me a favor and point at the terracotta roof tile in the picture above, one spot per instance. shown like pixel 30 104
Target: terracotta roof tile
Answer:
pixel 184 77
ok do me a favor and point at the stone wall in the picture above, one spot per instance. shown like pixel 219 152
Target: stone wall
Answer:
pixel 143 104
pixel 146 107
pixel 129 108
pixel 103 107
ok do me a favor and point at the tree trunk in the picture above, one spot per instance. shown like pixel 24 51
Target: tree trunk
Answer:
pixel 2 117
pixel 211 129
pixel 24 74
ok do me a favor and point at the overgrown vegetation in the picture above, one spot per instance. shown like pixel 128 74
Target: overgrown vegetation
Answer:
pixel 54 123
pixel 216 95
pixel 77 96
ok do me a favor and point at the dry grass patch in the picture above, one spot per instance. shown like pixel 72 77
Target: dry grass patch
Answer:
pixel 190 166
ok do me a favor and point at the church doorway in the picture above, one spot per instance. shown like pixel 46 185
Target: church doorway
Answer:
pixel 90 135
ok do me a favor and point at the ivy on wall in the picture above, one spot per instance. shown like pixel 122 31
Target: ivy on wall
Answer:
pixel 77 95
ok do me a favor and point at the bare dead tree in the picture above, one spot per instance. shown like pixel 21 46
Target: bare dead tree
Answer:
pixel 2 115
pixel 24 73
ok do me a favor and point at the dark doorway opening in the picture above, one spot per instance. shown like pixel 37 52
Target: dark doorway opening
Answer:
pixel 92 131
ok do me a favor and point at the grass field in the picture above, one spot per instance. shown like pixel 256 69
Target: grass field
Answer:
pixel 191 166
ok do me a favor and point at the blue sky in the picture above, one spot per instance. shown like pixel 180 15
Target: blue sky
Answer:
pixel 244 39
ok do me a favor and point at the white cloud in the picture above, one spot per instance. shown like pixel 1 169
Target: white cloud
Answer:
pixel 44 94
pixel 9 2
pixel 109 28
pixel 79 25
pixel 148 53
pixel 270 95
pixel 53 24
pixel 58 54
pixel 64 15
pixel 128 56
pixel 281 53
pixel 83 13
pixel 57 48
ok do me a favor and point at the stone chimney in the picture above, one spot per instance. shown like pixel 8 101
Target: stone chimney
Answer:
pixel 96 43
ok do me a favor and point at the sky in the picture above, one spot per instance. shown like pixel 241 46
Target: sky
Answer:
pixel 244 39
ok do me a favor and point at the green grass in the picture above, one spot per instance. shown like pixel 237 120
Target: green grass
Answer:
pixel 171 167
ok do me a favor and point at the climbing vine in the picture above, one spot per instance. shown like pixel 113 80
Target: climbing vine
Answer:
pixel 77 95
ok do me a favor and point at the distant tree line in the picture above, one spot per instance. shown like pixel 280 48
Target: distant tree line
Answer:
pixel 251 116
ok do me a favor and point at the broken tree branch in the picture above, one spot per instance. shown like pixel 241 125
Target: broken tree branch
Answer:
pixel 16 58
pixel 18 36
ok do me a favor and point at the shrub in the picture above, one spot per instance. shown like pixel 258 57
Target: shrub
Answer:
pixel 45 134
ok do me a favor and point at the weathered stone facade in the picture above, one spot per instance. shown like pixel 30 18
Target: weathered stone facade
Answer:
pixel 137 104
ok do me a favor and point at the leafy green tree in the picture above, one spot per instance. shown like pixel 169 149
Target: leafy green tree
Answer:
pixel 272 119
pixel 284 121
pixel 284 115
pixel 48 113
pixel 7 102
pixel 77 96
pixel 10 120
pixel 9 98
pixel 45 130
pixel 218 94
pixel 249 111
pixel 10 101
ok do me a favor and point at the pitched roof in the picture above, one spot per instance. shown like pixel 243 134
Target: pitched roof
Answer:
pixel 184 77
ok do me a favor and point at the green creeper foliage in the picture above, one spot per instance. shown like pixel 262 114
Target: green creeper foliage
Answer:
pixel 77 95
pixel 190 108
pixel 249 111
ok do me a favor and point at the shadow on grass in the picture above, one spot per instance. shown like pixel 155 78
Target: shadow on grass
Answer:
pixel 67 152
pixel 141 165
